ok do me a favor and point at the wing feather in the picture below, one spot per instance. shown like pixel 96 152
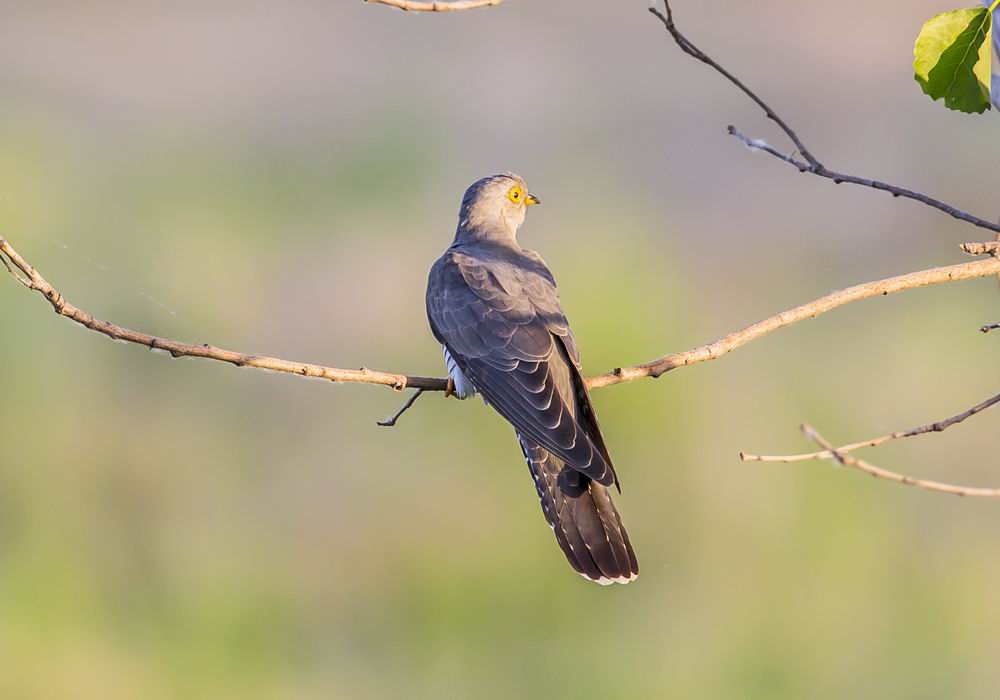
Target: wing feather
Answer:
pixel 501 321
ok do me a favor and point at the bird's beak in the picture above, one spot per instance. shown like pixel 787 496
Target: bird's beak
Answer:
pixel 532 199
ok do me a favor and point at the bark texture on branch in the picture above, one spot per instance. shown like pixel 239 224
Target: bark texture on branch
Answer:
pixel 728 343
pixel 31 278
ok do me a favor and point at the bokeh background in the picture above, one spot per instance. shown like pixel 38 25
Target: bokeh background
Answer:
pixel 278 178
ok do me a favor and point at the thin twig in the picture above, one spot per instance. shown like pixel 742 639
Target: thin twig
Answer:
pixel 811 164
pixel 455 6
pixel 691 50
pixel 880 473
pixel 390 422
pixel 621 375
pixel 838 178
pixel 990 327
pixel 937 427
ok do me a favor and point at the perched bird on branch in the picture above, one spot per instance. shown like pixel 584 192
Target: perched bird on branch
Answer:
pixel 494 307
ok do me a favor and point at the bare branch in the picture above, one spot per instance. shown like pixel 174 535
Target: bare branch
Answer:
pixel 937 427
pixel 811 164
pixel 391 422
pixel 728 343
pixel 879 473
pixel 703 353
pixel 454 6
pixel 990 327
pixel 62 307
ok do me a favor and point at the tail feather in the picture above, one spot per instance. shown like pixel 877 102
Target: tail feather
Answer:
pixel 583 517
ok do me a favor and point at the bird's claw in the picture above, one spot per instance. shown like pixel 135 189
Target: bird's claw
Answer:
pixel 449 389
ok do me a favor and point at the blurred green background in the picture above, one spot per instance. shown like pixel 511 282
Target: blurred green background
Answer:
pixel 278 178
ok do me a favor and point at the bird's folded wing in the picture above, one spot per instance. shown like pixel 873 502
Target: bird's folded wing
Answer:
pixel 511 346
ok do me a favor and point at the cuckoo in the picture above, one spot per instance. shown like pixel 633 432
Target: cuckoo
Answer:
pixel 494 307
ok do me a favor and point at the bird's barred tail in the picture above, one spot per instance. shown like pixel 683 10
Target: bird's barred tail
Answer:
pixel 584 519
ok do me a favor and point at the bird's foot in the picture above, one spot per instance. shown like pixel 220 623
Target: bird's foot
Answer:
pixel 449 389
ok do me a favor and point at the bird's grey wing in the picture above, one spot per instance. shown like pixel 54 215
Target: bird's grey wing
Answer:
pixel 506 331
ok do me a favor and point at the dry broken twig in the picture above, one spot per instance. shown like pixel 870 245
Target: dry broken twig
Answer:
pixel 453 6
pixel 809 164
pixel 939 275
pixel 880 473
pixel 936 427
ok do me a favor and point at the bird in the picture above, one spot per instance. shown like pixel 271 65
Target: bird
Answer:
pixel 494 308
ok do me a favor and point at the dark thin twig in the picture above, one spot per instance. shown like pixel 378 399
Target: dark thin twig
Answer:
pixel 390 422
pixel 990 327
pixel 838 178
pixel 691 50
pixel 811 163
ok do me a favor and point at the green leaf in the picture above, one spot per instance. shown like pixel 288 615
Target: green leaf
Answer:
pixel 952 58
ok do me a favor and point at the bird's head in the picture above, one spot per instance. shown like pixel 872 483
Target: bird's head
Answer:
pixel 495 205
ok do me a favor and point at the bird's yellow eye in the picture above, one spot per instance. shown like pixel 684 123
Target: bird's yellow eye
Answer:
pixel 516 194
